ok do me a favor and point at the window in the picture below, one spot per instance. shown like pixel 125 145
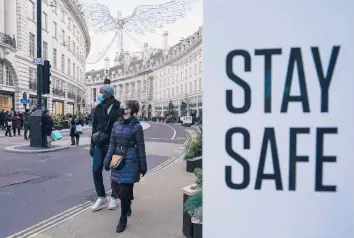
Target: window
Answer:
pixel 55 58
pixel 62 63
pixel 94 94
pixel 45 21
pixel 185 88
pixel 2 73
pixel 73 48
pixel 9 80
pixel 31 45
pixel 186 74
pixel 63 36
pixel 200 83
pixel 190 72
pixel 45 50
pixel 55 31
pixel 200 67
pixel 69 63
pixel 190 87
pixel 31 10
pixel 69 26
pixel 74 31
pixel 62 14
pixel 195 69
pixel 68 43
pixel 77 73
pixel 195 85
pixel 74 70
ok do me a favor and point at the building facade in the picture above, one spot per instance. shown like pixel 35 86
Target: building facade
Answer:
pixel 66 44
pixel 163 80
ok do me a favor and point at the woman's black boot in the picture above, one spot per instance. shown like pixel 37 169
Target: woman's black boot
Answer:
pixel 130 209
pixel 125 207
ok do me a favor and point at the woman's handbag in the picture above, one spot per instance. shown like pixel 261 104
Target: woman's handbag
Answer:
pixel 117 161
pixel 78 129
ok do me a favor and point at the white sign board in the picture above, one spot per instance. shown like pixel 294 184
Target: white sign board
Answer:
pixel 278 119
pixel 38 61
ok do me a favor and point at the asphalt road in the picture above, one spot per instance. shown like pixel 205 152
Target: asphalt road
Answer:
pixel 34 187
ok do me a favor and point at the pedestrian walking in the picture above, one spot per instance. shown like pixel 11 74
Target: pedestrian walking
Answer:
pixel 8 120
pixel 48 127
pixel 105 115
pixel 16 127
pixel 74 133
pixel 126 158
pixel 26 118
pixel 2 119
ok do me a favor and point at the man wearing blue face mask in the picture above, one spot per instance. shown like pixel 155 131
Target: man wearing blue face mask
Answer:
pixel 105 114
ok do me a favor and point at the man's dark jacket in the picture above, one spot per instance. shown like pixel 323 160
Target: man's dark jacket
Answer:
pixel 101 122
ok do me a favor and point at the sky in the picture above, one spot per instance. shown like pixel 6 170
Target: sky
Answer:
pixel 182 28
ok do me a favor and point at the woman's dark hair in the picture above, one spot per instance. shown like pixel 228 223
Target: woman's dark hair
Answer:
pixel 107 81
pixel 45 112
pixel 133 105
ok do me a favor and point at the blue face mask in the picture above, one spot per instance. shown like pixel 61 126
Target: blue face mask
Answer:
pixel 100 97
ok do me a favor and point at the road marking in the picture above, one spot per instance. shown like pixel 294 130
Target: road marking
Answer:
pixel 79 209
pixel 174 131
pixel 53 218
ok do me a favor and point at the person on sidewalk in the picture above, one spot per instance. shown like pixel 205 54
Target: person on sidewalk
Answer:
pixel 16 124
pixel 105 114
pixel 26 126
pixel 48 127
pixel 127 140
pixel 75 137
pixel 2 119
pixel 8 120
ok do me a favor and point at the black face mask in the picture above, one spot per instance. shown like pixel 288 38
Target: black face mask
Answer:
pixel 121 111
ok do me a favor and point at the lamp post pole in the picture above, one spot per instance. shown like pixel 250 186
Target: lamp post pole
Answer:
pixel 38 137
pixel 39 54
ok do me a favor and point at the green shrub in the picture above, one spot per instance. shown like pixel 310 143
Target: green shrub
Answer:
pixel 198 172
pixel 57 120
pixel 194 147
pixel 194 205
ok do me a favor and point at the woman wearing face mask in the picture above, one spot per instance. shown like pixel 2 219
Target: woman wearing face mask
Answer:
pixel 105 114
pixel 127 140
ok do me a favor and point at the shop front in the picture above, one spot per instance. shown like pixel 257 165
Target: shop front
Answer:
pixel 33 102
pixel 58 107
pixel 70 108
pixel 7 100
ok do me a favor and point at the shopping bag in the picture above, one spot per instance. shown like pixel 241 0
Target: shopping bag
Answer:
pixel 78 129
pixel 56 135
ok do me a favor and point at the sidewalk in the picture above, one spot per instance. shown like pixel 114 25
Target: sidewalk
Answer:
pixel 56 145
pixel 157 211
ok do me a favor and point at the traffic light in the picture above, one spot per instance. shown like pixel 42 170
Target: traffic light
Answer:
pixel 46 77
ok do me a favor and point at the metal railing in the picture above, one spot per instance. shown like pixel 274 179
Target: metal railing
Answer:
pixel 7 41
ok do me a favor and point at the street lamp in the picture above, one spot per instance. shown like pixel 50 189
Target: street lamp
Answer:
pixel 38 138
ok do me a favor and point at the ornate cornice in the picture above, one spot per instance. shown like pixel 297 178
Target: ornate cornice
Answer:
pixel 80 19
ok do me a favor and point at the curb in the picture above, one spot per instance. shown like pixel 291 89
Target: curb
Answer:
pixel 14 149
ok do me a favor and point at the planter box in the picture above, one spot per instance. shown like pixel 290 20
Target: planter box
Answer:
pixel 187 225
pixel 66 125
pixel 197 230
pixel 58 128
pixel 192 164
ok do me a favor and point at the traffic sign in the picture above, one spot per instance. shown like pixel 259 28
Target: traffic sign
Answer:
pixel 38 61
pixel 24 101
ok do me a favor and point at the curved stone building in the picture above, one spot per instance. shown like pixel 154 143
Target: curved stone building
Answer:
pixel 66 44
pixel 161 79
